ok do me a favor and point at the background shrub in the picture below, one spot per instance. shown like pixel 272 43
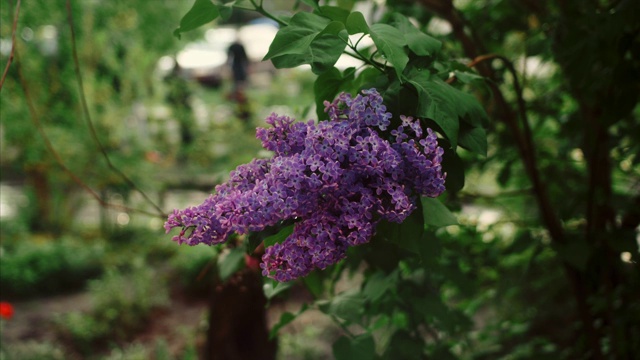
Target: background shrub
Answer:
pixel 36 268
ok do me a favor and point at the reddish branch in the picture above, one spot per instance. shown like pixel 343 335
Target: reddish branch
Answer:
pixel 13 44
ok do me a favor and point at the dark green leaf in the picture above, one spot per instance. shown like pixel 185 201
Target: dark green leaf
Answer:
pixel 390 42
pixel 408 234
pixel 473 139
pixel 467 77
pixel 202 12
pixel 378 284
pixel 453 166
pixel 436 214
pixel 279 237
pixel 362 347
pixel 256 238
pixel 327 86
pixel 253 241
pixel 436 104
pixel 470 111
pixel 419 42
pixel 368 78
pixel 347 305
pixel 356 23
pixel 231 263
pixel 314 283
pixel 289 61
pixel 445 105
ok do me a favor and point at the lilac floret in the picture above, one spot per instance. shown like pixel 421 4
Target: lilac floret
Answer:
pixel 336 180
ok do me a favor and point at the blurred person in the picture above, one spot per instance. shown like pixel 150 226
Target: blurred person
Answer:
pixel 239 61
pixel 239 66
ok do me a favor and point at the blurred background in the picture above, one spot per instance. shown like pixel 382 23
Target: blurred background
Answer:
pixel 104 282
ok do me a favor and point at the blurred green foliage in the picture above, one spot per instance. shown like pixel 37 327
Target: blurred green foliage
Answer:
pixel 35 268
pixel 493 287
pixel 554 236
pixel 122 301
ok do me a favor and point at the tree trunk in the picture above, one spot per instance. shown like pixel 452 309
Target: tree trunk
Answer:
pixel 238 327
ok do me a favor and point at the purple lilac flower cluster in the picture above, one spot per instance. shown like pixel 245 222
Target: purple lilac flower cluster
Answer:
pixel 336 179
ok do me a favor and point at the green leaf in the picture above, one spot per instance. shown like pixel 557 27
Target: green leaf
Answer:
pixel 225 10
pixel 368 78
pixel 446 106
pixel 297 36
pixel 453 166
pixel 281 236
pixel 361 347
pixel 390 42
pixel 231 263
pixel 326 47
pixel 202 12
pixel 356 23
pixel 436 214
pixel 327 86
pixel 378 284
pixel 318 42
pixel 408 234
pixel 285 319
pixel 473 139
pixel 272 288
pixel 334 13
pixel 289 61
pixel 314 283
pixel 347 305
pixel 253 241
pixel 437 104
pixel 256 238
pixel 420 43
pixel 467 77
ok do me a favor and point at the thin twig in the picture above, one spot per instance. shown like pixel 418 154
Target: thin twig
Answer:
pixel 87 115
pixel 260 9
pixel 13 44
pixel 36 122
